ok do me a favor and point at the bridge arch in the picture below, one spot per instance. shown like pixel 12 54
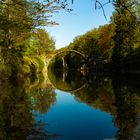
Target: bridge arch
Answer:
pixel 67 58
pixel 77 52
pixel 63 76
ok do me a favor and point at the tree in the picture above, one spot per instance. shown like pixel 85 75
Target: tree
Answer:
pixel 18 20
pixel 125 24
pixel 43 42
pixel 15 24
pixel 95 44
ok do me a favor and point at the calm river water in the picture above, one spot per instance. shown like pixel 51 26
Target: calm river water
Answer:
pixel 71 106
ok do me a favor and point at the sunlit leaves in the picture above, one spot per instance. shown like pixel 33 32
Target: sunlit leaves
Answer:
pixel 96 42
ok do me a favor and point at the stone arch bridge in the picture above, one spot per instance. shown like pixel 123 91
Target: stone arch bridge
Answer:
pixel 84 58
pixel 62 55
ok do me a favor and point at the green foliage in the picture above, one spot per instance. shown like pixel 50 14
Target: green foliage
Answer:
pixel 124 37
pixel 32 65
pixel 40 43
pixel 18 18
pixel 20 36
pixel 40 63
pixel 96 45
pixel 114 44
pixel 15 24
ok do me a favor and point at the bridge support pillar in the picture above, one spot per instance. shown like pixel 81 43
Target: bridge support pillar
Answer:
pixel 64 63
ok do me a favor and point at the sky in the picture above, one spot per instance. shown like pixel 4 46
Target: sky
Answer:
pixel 83 18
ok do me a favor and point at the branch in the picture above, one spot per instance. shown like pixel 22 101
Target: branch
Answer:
pixel 50 3
pixel 101 6
pixel 109 1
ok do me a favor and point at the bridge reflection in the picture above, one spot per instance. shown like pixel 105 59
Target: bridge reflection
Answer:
pixel 67 70
pixel 67 80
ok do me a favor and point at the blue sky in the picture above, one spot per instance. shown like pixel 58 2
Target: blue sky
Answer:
pixel 83 18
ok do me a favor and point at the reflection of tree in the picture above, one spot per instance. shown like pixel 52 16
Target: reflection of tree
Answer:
pixel 127 110
pixel 97 93
pixel 16 105
pixel 43 98
pixel 15 114
pixel 117 97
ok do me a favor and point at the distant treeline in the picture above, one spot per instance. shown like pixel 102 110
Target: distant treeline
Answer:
pixel 115 45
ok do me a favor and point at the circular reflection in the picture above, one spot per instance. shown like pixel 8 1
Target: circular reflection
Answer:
pixel 66 80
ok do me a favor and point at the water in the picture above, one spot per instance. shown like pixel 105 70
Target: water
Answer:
pixel 75 120
pixel 71 107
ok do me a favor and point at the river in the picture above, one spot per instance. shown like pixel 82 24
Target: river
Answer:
pixel 71 106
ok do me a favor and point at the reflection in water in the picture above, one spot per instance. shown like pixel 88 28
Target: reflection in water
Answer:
pixel 127 112
pixel 66 80
pixel 118 96
pixel 15 114
pixel 21 102
pixel 119 99
pixel 17 100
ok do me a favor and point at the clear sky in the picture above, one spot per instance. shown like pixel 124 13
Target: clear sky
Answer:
pixel 83 18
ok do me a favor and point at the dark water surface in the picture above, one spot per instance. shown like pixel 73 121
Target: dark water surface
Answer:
pixel 75 120
pixel 71 106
